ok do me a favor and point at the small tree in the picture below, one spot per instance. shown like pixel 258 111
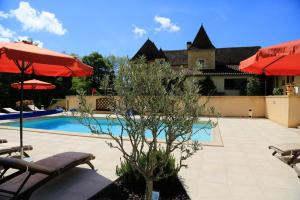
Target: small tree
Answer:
pixel 253 87
pixel 207 86
pixel 164 114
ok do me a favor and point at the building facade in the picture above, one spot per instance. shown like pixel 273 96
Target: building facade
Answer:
pixel 201 58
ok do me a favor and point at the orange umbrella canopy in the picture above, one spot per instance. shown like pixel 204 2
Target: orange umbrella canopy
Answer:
pixel 278 60
pixel 26 58
pixel 34 85
pixel 40 61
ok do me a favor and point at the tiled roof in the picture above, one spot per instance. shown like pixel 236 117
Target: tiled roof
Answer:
pixel 234 55
pixel 150 51
pixel 202 40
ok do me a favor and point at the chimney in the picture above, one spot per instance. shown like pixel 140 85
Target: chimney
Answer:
pixel 188 45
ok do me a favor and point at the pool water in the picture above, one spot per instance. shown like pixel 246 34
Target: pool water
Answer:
pixel 70 124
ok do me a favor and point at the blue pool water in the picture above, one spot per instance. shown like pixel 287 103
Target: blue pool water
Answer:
pixel 69 124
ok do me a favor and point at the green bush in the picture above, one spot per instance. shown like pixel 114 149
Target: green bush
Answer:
pixel 131 175
pixel 253 87
pixel 277 91
pixel 207 86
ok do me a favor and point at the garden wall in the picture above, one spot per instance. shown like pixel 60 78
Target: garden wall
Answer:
pixel 284 110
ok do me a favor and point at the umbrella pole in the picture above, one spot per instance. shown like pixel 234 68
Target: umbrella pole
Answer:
pixel 21 113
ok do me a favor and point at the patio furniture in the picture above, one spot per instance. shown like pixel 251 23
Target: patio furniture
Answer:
pixel 10 110
pixel 31 176
pixel 289 153
pixel 9 151
pixel 34 108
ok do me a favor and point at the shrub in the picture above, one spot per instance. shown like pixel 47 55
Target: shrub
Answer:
pixel 253 87
pixel 207 86
pixel 277 91
pixel 132 175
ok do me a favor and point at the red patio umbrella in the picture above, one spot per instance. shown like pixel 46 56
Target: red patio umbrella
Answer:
pixel 34 85
pixel 26 58
pixel 278 60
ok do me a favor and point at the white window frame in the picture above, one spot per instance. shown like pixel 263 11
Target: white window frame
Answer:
pixel 200 65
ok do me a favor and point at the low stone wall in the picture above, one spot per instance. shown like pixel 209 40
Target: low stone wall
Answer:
pixel 237 106
pixel 284 110
pixel 227 106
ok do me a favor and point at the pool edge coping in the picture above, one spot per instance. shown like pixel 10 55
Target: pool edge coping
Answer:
pixel 217 140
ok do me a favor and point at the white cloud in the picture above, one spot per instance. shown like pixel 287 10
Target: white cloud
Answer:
pixel 34 20
pixel 26 38
pixel 139 32
pixel 6 33
pixel 166 24
pixel 4 15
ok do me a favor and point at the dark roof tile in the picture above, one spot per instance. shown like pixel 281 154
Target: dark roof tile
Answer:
pixel 202 40
pixel 234 55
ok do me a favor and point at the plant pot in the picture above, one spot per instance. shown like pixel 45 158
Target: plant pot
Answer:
pixel 289 89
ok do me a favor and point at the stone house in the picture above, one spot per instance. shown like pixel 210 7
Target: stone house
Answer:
pixel 201 58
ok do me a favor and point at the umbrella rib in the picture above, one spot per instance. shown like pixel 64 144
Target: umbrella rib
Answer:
pixel 268 65
pixel 69 69
pixel 22 68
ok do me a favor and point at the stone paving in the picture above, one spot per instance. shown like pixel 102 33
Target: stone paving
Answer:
pixel 243 169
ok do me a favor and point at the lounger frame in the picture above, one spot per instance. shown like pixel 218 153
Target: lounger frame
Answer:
pixel 32 169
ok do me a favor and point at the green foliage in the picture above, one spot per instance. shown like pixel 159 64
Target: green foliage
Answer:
pixel 277 91
pixel 253 87
pixel 81 83
pixel 103 69
pixel 130 174
pixel 207 86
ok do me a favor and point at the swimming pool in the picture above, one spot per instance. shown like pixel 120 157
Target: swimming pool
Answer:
pixel 69 124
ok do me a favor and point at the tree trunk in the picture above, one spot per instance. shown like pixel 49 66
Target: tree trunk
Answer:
pixel 149 189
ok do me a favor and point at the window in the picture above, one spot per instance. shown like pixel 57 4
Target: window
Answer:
pixel 234 84
pixel 200 63
pixel 289 79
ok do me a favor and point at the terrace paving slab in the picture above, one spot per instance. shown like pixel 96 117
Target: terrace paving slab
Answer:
pixel 243 169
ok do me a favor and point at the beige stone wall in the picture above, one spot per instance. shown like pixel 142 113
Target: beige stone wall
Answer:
pixel 206 54
pixel 227 106
pixel 294 111
pixel 277 109
pixel 72 101
pixel 237 106
pixel 283 110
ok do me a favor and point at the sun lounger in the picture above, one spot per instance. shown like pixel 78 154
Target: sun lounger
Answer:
pixel 34 108
pixel 30 176
pixel 10 110
pixel 14 151
pixel 289 153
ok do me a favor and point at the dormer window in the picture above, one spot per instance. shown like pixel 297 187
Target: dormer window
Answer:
pixel 200 64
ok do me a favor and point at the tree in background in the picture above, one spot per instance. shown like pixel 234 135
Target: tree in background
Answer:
pixel 207 86
pixel 163 115
pixel 103 69
pixel 253 87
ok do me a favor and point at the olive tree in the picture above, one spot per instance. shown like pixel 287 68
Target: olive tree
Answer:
pixel 166 114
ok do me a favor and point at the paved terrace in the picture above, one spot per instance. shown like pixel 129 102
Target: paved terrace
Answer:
pixel 243 169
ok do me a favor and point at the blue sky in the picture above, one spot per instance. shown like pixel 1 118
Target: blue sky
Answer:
pixel 120 27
